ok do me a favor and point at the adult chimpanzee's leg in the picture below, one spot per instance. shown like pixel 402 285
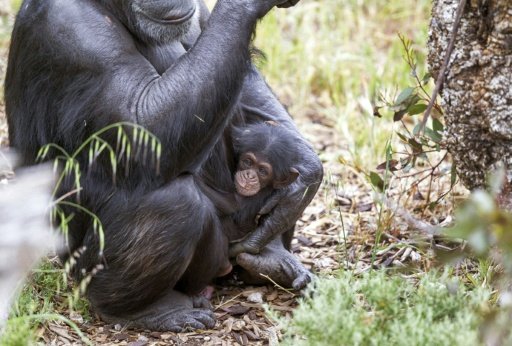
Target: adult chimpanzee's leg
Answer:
pixel 151 241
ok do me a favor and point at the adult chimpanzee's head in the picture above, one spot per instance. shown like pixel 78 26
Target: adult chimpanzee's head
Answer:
pixel 158 21
pixel 266 154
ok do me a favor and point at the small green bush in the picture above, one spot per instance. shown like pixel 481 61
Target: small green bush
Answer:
pixel 376 309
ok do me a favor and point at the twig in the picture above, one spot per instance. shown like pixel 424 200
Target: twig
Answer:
pixel 442 72
pixel 289 290
pixel 344 237
pixel 227 301
pixel 411 220
pixel 417 182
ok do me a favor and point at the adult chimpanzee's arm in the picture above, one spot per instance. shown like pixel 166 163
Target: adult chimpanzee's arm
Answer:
pixel 188 106
pixel 260 104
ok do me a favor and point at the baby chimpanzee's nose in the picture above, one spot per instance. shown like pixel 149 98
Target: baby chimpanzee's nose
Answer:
pixel 251 175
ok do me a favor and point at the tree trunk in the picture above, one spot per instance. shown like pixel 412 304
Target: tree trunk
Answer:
pixel 477 93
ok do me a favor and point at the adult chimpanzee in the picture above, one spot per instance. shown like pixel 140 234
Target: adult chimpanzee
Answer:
pixel 76 66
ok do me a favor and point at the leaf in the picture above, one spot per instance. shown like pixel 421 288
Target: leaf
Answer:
pixel 433 135
pixel 453 175
pixel 426 78
pixel 43 151
pixel 377 181
pixel 416 147
pixel 416 129
pixel 433 205
pixel 416 109
pixel 113 164
pixel 402 137
pixel 404 95
pixel 437 125
pixel 436 112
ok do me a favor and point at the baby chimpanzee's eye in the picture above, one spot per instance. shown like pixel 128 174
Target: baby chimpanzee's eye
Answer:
pixel 247 162
pixel 263 172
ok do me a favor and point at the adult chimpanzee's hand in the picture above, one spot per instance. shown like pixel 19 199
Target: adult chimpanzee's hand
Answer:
pixel 276 263
pixel 263 6
pixel 288 3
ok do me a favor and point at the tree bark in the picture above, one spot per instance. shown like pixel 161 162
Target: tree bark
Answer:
pixel 477 92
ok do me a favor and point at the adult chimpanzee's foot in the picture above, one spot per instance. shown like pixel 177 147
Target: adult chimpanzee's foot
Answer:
pixel 174 312
pixel 276 263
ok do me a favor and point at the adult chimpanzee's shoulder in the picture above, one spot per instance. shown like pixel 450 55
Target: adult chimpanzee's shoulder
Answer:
pixel 73 26
pixel 73 13
pixel 53 12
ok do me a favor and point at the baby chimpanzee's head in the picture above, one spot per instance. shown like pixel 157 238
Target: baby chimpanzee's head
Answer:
pixel 266 155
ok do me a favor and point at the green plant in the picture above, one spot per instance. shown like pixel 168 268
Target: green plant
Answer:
pixel 39 299
pixel 421 150
pixel 378 309
pixel 484 228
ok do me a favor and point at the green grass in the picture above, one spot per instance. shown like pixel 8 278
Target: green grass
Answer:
pixel 40 300
pixel 377 309
pixel 35 298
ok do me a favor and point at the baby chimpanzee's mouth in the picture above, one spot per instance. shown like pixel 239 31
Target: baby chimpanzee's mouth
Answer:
pixel 246 192
pixel 245 184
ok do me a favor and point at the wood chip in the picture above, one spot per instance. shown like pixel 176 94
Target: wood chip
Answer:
pixel 238 325
pixel 138 343
pixel 256 297
pixel 236 310
pixel 61 331
pixel 121 336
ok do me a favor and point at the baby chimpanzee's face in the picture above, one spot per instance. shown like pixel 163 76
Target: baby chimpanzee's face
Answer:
pixel 253 174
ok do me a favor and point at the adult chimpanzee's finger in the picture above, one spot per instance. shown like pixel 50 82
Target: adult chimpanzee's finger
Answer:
pixel 288 3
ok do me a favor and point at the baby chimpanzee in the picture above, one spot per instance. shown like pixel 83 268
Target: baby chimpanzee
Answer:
pixel 265 154
pixel 265 157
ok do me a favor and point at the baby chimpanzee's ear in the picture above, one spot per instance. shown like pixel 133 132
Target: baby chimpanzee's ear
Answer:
pixel 293 174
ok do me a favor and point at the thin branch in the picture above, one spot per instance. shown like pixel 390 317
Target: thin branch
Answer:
pixel 289 290
pixel 422 226
pixel 442 72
